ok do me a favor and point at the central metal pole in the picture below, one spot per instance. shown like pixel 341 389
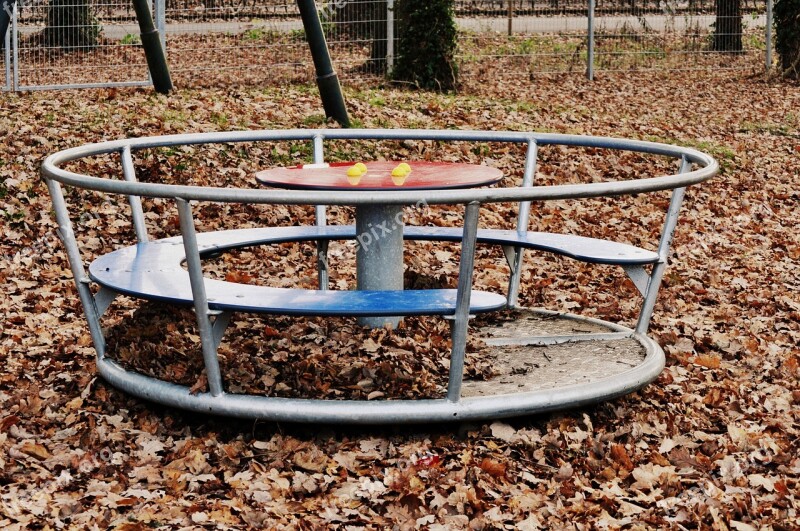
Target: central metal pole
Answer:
pixel 379 254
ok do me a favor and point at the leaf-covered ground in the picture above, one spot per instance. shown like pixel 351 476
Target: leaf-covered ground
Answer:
pixel 712 444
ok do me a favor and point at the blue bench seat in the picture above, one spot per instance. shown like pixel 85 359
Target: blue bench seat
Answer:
pixel 154 271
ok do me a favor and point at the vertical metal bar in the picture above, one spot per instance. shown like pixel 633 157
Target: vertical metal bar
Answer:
pixel 389 36
pixel 527 181
pixel 319 158
pixel 768 58
pixel 657 275
pixel 161 22
pixel 590 43
pixel 204 324
pixel 321 216
pixel 137 213
pixel 67 236
pixel 461 323
pixel 15 39
pixel 7 52
pixel 522 222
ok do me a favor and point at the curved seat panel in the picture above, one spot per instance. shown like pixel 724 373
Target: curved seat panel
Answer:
pixel 154 271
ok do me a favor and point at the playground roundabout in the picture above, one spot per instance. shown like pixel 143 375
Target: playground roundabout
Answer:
pixel 542 360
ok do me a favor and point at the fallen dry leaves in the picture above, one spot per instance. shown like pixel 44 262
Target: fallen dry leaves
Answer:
pixel 712 444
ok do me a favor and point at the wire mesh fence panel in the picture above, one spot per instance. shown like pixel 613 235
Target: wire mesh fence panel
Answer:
pixel 263 41
pixel 225 42
pixel 525 36
pixel 358 32
pixel 679 34
pixel 62 43
pixel 520 37
pixel 235 41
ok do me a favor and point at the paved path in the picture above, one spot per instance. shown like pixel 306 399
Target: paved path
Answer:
pixel 523 25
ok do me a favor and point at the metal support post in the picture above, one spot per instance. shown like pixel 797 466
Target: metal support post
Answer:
pixel 461 322
pixel 329 89
pixel 768 58
pixel 6 39
pixel 137 213
pixel 161 22
pixel 67 236
pixel 321 218
pixel 522 224
pixel 657 274
pixel 153 51
pixel 389 36
pixel 15 45
pixel 204 324
pixel 590 43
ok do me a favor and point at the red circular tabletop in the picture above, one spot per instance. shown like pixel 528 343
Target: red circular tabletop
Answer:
pixel 378 176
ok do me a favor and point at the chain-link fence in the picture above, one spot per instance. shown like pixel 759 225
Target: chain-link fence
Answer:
pixel 91 42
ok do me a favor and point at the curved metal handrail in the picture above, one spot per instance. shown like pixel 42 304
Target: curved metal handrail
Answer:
pixel 51 168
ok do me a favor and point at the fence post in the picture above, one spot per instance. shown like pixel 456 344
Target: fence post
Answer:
pixel 161 22
pixel 5 37
pixel 590 43
pixel 389 36
pixel 15 45
pixel 768 58
pixel 7 52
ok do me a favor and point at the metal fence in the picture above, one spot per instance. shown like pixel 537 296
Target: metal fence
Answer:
pixel 212 42
pixel 73 44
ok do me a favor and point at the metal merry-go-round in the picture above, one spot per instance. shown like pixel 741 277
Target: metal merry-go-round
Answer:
pixel 170 270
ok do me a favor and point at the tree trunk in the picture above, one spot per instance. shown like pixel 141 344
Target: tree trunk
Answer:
pixel 427 44
pixel 787 36
pixel 728 31
pixel 71 25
